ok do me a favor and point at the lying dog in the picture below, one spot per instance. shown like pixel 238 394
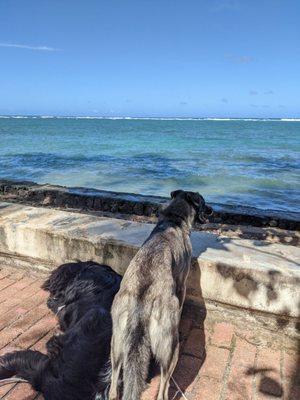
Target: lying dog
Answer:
pixel 74 287
pixel 147 309
pixel 76 365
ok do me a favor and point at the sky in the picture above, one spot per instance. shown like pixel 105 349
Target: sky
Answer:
pixel 154 58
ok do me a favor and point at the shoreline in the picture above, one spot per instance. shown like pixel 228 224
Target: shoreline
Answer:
pixel 135 204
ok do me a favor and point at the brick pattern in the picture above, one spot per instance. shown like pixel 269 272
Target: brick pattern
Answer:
pixel 218 361
pixel 25 322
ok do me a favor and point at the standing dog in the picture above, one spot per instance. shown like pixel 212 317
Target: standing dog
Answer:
pixel 146 311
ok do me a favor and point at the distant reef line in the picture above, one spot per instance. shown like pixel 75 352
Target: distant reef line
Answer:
pixel 149 118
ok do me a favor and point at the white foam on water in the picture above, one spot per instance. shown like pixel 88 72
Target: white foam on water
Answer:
pixel 152 118
pixel 290 119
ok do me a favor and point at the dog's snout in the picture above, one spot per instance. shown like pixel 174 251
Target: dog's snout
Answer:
pixel 208 210
pixel 203 216
pixel 49 302
pixel 52 304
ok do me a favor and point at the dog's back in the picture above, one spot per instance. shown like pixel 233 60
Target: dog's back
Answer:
pixel 153 273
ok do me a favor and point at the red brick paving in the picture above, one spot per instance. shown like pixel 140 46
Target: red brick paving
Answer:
pixel 222 335
pixel 21 392
pixel 25 322
pixel 218 361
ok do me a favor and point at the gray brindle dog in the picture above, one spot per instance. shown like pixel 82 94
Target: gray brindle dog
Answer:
pixel 147 309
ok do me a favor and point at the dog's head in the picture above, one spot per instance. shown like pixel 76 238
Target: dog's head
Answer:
pixel 194 199
pixel 56 302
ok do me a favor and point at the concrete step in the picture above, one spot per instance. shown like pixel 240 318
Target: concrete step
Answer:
pixel 253 275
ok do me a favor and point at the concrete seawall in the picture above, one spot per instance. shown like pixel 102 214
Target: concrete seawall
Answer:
pixel 248 274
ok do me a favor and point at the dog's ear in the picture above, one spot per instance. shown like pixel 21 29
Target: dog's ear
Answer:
pixel 175 193
pixel 195 198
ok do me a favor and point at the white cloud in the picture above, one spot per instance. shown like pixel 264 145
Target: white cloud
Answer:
pixel 225 5
pixel 27 47
pixel 240 59
pixel 244 59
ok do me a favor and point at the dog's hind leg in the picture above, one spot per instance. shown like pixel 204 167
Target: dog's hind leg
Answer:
pixel 116 365
pixel 27 364
pixel 114 389
pixel 166 371
pixel 164 339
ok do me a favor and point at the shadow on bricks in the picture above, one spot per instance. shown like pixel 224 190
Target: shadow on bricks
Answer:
pixel 192 337
pixel 192 353
pixel 193 342
pixel 192 348
pixel 267 385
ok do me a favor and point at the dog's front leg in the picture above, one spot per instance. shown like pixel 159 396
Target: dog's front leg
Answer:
pixel 54 345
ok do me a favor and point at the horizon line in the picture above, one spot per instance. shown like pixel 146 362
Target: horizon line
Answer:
pixel 145 117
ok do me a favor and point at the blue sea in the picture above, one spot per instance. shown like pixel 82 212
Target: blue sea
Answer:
pixel 236 161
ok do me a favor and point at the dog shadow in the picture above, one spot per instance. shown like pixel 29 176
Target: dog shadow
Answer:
pixel 192 350
pixel 191 331
pixel 192 339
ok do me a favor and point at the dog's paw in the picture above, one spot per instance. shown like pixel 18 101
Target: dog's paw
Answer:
pixel 54 345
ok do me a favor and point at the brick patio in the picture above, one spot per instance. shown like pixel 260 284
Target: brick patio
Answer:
pixel 219 360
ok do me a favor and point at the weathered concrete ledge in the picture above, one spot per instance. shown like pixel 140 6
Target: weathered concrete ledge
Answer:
pixel 242 273
pixel 128 203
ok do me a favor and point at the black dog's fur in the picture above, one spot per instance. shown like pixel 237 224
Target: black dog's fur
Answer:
pixel 76 366
pixel 75 287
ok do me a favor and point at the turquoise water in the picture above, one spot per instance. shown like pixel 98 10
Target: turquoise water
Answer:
pixel 246 162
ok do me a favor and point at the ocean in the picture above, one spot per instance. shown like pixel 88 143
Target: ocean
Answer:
pixel 249 162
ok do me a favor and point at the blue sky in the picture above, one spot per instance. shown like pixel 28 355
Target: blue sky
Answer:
pixel 221 58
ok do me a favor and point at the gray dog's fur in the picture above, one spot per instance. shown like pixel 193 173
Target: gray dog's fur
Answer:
pixel 146 311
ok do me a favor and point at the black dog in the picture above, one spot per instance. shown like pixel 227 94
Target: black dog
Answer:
pixel 76 366
pixel 75 287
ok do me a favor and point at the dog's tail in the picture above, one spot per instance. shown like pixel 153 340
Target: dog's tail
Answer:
pixel 136 358
pixel 26 364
